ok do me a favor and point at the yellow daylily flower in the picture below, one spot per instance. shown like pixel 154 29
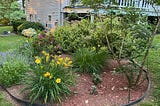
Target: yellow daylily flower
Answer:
pixel 67 58
pixel 58 80
pixel 70 62
pixel 60 59
pixel 47 74
pixel 38 61
pixel 43 52
pixel 58 63
pixel 65 65
pixel 47 58
pixel 51 76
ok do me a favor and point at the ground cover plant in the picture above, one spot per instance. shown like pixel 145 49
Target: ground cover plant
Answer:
pixel 13 67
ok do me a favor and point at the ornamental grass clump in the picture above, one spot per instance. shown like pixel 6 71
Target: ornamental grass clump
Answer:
pixel 51 78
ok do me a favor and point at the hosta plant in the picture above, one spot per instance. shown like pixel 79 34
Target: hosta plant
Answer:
pixel 51 78
pixel 30 32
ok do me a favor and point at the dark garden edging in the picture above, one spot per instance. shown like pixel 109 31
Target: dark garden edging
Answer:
pixel 144 95
pixel 22 102
pixel 27 103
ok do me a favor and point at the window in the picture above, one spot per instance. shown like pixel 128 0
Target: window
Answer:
pixel 49 18
pixel 30 17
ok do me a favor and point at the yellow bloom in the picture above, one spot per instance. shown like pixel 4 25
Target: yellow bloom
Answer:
pixel 47 54
pixel 65 65
pixel 60 59
pixel 67 58
pixel 38 61
pixel 58 80
pixel 51 76
pixel 70 62
pixel 47 58
pixel 47 74
pixel 58 62
pixel 43 52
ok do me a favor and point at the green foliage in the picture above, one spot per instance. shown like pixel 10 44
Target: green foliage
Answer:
pixel 96 78
pixel 10 9
pixel 73 16
pixel 13 69
pixel 130 70
pixel 45 42
pixel 89 61
pixel 50 79
pixel 4 21
pixel 16 23
pixel 28 24
pixel 17 15
pixel 80 35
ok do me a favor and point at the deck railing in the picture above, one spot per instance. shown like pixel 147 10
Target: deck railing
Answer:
pixel 147 7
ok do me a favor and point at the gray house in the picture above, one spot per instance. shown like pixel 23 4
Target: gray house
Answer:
pixel 48 12
pixel 53 12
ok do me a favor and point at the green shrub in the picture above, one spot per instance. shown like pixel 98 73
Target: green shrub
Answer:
pixel 16 23
pixel 45 42
pixel 50 79
pixel 79 35
pixel 89 61
pixel 12 69
pixel 28 24
pixel 4 21
pixel 30 32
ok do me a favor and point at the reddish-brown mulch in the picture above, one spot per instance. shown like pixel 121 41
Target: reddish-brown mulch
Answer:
pixel 112 91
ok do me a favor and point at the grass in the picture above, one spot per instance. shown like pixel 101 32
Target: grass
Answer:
pixel 5 28
pixel 153 64
pixel 3 101
pixel 10 42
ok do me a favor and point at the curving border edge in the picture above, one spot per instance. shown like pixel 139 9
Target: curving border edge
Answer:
pixel 144 95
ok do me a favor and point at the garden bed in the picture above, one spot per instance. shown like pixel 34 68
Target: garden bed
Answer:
pixel 112 91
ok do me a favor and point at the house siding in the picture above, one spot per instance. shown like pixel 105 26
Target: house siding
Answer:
pixel 39 11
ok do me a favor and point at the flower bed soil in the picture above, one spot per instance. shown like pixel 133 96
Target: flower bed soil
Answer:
pixel 112 91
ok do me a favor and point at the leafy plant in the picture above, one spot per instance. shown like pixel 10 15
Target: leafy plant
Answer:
pixel 12 69
pixel 96 78
pixel 82 34
pixel 89 61
pixel 45 42
pixel 16 23
pixel 30 32
pixel 51 78
pixel 28 24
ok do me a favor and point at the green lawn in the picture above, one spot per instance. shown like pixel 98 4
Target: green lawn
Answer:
pixel 153 64
pixel 154 67
pixel 5 28
pixel 10 42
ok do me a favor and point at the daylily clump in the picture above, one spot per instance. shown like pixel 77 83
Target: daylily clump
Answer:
pixel 52 77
